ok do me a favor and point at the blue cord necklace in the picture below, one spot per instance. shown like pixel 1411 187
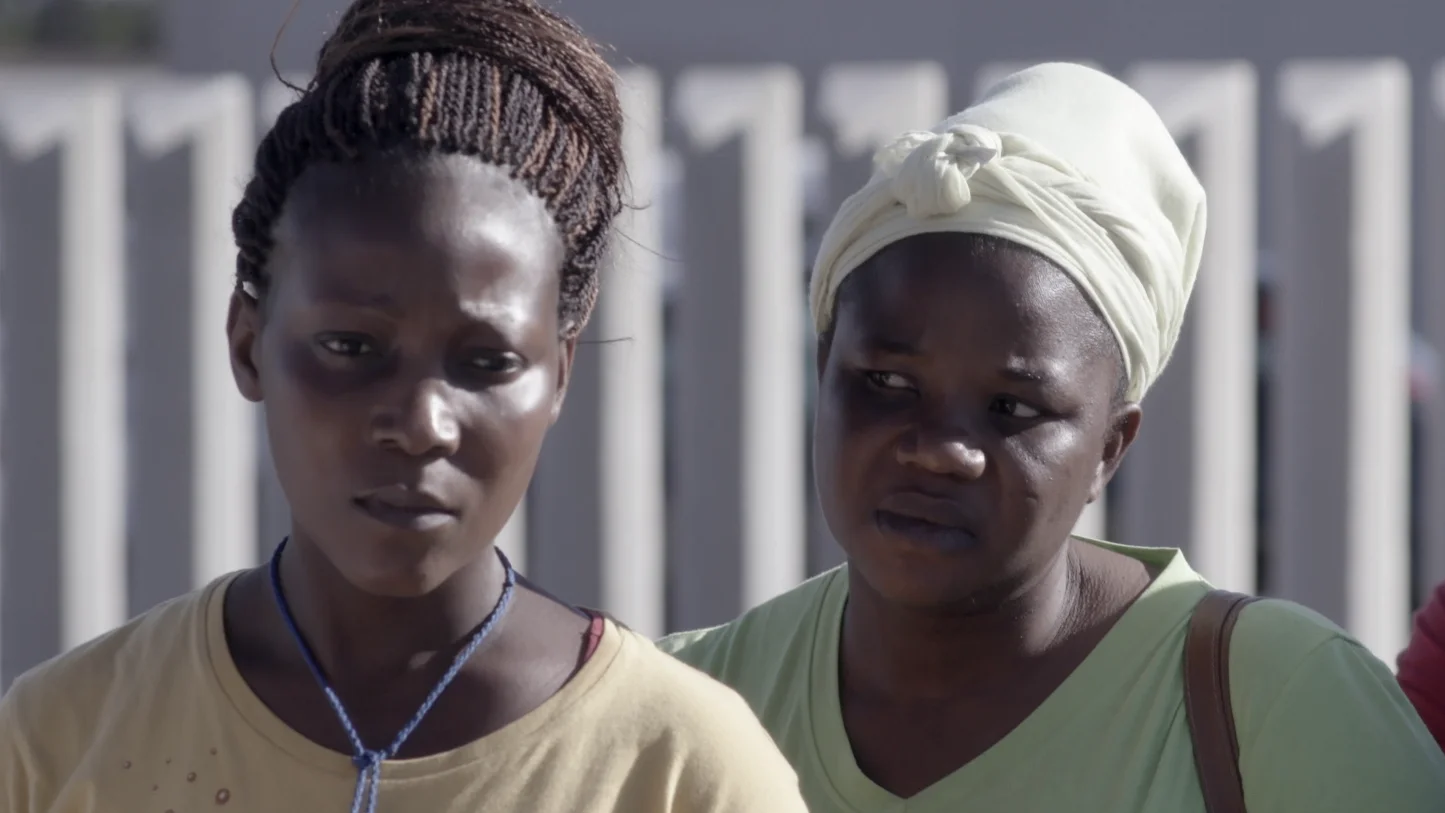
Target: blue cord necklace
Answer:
pixel 368 762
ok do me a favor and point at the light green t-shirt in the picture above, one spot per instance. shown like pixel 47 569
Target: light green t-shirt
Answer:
pixel 1322 725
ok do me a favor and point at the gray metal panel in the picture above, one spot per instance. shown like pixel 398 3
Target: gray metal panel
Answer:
pixel 1156 482
pixel 1365 318
pixel 159 397
pixel 29 413
pixel 1308 401
pixel 564 519
pixel 705 523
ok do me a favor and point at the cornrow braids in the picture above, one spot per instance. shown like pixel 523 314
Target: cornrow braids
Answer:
pixel 506 81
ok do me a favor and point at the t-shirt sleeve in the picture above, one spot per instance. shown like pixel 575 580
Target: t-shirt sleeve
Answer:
pixel 688 647
pixel 1339 736
pixel 1422 665
pixel 736 768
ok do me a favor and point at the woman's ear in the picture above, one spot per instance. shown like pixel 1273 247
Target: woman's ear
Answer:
pixel 243 332
pixel 564 376
pixel 1123 428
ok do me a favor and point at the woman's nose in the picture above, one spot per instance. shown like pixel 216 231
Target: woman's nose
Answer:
pixel 422 422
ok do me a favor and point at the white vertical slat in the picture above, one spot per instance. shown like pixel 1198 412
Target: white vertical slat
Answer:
pixel 215 117
pixel 1217 103
pixel 1370 103
pixel 764 105
pixel 869 104
pixel 632 479
pixel 84 119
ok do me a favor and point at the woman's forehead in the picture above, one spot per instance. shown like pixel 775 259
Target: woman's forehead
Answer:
pixel 455 212
pixel 968 292
pixel 407 191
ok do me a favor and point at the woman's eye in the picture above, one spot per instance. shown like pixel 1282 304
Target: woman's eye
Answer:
pixel 887 381
pixel 497 363
pixel 349 346
pixel 1013 407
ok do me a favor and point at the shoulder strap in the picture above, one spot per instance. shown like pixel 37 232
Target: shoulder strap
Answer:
pixel 1206 700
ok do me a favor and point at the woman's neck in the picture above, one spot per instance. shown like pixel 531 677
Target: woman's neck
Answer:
pixel 899 651
pixel 363 636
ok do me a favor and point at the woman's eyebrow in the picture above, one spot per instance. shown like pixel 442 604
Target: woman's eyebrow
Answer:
pixel 889 345
pixel 330 294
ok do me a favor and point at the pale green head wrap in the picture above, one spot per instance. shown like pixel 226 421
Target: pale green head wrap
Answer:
pixel 1061 159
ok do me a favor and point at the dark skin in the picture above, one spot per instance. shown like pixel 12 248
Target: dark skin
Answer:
pixel 968 411
pixel 409 358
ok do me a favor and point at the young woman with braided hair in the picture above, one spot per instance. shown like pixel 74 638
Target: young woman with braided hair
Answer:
pixel 418 251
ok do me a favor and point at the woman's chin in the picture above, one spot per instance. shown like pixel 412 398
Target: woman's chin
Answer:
pixel 921 581
pixel 396 568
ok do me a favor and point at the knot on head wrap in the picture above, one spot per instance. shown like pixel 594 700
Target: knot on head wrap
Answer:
pixel 1060 159
pixel 930 171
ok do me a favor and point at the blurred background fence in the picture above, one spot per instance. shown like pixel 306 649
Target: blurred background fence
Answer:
pixel 1292 448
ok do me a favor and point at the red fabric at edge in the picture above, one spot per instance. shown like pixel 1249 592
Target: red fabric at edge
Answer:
pixel 1422 665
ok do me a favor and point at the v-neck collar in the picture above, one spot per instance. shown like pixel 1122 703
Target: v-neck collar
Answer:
pixel 1122 651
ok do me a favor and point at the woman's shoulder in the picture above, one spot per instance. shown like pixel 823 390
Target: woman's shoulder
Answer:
pixel 720 749
pixel 670 687
pixel 1273 630
pixel 1282 652
pixel 1308 699
pixel 1275 640
pixel 761 634
pixel 66 696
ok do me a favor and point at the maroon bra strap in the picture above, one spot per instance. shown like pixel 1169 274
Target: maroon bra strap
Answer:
pixel 593 636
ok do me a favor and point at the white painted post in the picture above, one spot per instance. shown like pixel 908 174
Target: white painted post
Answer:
pixel 869 104
pixel 216 116
pixel 84 119
pixel 634 573
pixel 764 105
pixel 1369 102
pixel 1217 103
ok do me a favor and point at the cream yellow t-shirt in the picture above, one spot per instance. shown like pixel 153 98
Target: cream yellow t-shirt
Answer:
pixel 154 717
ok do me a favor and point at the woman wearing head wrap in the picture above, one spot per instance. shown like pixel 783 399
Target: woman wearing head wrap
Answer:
pixel 991 308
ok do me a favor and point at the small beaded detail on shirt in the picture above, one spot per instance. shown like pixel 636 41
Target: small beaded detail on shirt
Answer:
pixel 368 761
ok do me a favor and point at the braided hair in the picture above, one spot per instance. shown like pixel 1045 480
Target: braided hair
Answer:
pixel 506 81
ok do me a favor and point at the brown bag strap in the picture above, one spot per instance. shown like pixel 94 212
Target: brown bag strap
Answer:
pixel 1206 700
